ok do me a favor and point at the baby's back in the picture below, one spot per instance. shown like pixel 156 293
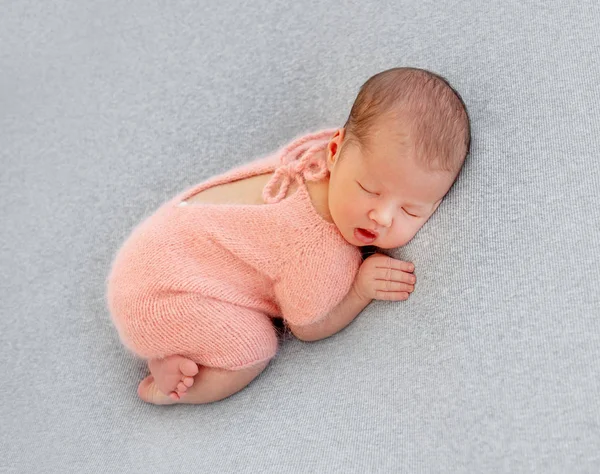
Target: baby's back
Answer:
pixel 219 239
pixel 245 191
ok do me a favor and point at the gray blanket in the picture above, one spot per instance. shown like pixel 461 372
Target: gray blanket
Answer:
pixel 109 108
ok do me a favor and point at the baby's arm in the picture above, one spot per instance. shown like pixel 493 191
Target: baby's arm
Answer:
pixel 379 277
pixel 337 319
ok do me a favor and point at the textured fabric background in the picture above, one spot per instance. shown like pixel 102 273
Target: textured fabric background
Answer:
pixel 108 108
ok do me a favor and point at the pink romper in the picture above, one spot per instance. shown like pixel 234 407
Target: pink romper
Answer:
pixel 204 280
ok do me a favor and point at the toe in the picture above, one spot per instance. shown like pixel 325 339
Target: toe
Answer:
pixel 168 372
pixel 188 381
pixel 181 388
pixel 149 392
pixel 188 367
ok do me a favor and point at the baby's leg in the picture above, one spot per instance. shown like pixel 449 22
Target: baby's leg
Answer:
pixel 209 332
pixel 210 385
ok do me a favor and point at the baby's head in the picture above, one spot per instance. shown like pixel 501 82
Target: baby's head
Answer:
pixel 397 156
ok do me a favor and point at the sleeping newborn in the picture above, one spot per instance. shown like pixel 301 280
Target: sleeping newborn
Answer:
pixel 196 286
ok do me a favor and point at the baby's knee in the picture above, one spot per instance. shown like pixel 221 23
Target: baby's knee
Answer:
pixel 147 327
pixel 145 338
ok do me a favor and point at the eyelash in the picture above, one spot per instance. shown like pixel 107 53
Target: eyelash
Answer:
pixel 365 189
pixel 412 215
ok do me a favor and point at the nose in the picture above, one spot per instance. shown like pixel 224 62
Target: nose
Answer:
pixel 382 216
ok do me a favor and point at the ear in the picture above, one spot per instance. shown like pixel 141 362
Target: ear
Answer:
pixel 334 147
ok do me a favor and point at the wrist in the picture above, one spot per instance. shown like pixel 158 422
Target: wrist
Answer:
pixel 358 295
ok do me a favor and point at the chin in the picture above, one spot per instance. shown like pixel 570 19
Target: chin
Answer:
pixel 388 245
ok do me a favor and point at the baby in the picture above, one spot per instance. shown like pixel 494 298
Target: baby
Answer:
pixel 196 287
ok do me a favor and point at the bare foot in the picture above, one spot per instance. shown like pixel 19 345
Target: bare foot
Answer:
pixel 173 375
pixel 149 392
pixel 210 385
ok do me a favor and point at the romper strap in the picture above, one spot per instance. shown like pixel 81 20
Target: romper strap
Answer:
pixel 299 161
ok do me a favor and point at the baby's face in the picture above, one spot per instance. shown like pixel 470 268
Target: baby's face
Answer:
pixel 386 191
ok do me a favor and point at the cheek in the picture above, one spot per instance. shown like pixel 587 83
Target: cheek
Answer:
pixel 346 213
pixel 403 232
pixel 406 228
pixel 358 208
pixel 413 228
pixel 344 208
pixel 344 203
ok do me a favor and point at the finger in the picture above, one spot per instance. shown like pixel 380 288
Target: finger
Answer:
pixel 394 263
pixel 387 285
pixel 391 295
pixel 393 274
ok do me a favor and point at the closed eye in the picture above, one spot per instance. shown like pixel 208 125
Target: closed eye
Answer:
pixel 365 189
pixel 370 192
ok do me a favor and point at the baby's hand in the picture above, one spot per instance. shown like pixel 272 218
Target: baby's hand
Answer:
pixel 384 278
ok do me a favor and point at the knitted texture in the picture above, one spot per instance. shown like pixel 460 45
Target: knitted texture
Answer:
pixel 202 280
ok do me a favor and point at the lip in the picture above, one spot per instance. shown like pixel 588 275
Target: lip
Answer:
pixel 374 232
pixel 364 239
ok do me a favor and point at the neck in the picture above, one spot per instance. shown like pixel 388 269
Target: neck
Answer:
pixel 319 195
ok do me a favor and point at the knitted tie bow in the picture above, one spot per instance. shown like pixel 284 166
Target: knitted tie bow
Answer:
pixel 299 161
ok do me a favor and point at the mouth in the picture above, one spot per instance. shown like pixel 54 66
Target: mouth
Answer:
pixel 365 236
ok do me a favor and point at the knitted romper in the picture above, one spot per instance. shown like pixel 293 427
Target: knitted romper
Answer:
pixel 204 280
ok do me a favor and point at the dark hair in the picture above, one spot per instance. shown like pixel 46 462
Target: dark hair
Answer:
pixel 430 111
